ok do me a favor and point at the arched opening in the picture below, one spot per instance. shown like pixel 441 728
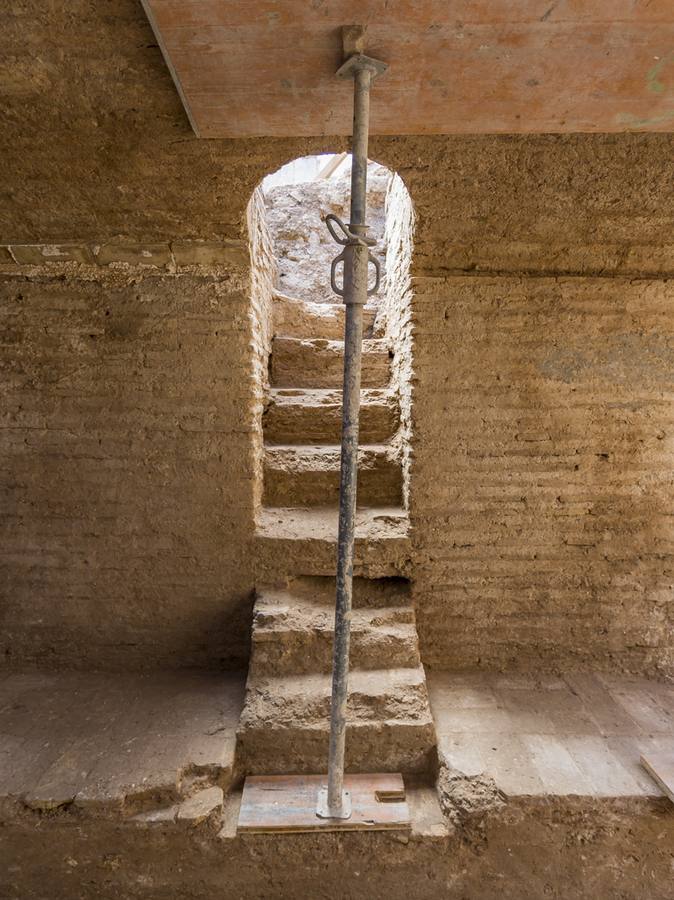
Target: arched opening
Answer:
pixel 298 344
pixel 299 326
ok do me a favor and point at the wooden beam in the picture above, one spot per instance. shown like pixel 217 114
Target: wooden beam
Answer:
pixel 263 68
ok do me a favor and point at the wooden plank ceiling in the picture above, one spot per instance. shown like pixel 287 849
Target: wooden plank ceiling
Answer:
pixel 266 67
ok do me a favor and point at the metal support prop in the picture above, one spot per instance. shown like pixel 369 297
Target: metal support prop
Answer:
pixel 335 802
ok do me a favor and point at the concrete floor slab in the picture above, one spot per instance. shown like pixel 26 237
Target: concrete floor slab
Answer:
pixel 581 735
pixel 108 741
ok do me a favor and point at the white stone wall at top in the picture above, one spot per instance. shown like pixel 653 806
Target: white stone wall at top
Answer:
pixel 303 246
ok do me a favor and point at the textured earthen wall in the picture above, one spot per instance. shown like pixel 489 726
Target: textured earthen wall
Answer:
pixel 396 313
pixel 531 848
pixel 530 255
pixel 543 476
pixel 127 470
pixel 263 278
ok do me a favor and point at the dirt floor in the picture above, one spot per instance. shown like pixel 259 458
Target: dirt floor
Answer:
pixel 142 813
pixel 532 850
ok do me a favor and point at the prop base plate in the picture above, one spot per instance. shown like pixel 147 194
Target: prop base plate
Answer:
pixel 288 803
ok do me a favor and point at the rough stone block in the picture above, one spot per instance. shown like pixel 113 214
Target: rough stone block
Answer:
pixel 200 806
pixel 210 253
pixel 38 254
pixel 134 254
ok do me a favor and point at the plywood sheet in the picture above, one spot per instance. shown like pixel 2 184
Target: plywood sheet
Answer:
pixel 273 803
pixel 266 67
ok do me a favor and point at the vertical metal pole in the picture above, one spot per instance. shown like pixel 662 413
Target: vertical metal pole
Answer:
pixel 355 297
pixel 333 801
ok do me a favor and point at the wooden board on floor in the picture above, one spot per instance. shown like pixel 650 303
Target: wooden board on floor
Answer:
pixel 287 803
pixel 661 767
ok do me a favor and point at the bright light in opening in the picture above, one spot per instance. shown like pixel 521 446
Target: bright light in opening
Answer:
pixel 309 168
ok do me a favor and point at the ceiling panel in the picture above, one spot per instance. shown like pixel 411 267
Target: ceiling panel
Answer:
pixel 267 67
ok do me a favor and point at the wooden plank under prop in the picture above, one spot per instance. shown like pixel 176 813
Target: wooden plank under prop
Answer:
pixel 287 803
pixel 661 767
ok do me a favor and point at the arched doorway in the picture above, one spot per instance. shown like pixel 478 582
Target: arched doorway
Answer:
pixel 302 320
pixel 299 325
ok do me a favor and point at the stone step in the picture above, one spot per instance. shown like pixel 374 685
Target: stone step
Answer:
pixel 319 363
pixel 304 542
pixel 295 416
pixel 284 726
pixel 303 319
pixel 309 476
pixel 368 593
pixel 294 635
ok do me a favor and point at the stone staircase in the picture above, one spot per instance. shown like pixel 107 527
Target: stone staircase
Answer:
pixel 284 725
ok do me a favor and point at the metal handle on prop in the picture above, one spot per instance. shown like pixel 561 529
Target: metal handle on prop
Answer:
pixel 329 219
pixel 377 274
pixel 333 273
pixel 350 238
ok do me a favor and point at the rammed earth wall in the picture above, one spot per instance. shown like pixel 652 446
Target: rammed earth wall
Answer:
pixel 541 458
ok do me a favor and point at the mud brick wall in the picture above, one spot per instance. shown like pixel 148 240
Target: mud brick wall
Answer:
pixel 263 277
pixel 542 339
pixel 127 474
pixel 543 473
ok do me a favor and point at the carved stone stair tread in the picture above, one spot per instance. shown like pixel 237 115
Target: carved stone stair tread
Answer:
pixel 295 635
pixel 323 452
pixel 303 701
pixel 305 319
pixel 285 723
pixel 308 475
pixel 304 541
pixel 299 416
pixel 395 692
pixel 394 620
pixel 321 524
pixel 388 745
pixel 285 609
pixel 319 592
pixel 316 362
